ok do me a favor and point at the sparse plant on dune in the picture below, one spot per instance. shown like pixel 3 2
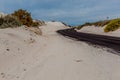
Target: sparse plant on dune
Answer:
pixel 97 24
pixel 35 24
pixel 113 25
pixel 9 21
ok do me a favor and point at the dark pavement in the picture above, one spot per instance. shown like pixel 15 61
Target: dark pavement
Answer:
pixel 102 40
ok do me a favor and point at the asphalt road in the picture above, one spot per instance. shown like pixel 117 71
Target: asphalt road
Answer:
pixel 102 40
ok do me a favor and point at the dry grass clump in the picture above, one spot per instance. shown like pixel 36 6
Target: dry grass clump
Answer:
pixel 9 21
pixel 97 24
pixel 113 25
pixel 36 30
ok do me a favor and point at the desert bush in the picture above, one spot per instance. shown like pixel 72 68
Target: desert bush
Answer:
pixel 9 21
pixel 24 17
pixel 113 25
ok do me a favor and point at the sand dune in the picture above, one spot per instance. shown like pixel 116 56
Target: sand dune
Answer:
pixel 50 56
pixel 99 30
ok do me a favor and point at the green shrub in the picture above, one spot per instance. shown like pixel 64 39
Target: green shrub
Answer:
pixel 113 25
pixel 9 21
pixel 24 17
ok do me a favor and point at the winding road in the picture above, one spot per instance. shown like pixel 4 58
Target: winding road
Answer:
pixel 102 40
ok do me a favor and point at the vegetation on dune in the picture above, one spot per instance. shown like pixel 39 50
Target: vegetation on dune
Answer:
pixel 101 23
pixel 24 17
pixel 9 21
pixel 113 25
pixel 18 18
pixel 35 24
pixel 97 24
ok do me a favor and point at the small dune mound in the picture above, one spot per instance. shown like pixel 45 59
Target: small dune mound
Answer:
pixel 52 27
pixel 36 30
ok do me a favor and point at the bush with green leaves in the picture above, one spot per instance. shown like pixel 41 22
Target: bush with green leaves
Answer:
pixel 113 25
pixel 24 17
pixel 9 21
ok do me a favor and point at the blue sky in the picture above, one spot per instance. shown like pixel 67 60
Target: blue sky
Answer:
pixel 69 11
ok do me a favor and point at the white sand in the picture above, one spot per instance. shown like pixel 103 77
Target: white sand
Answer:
pixel 2 14
pixel 53 57
pixel 99 30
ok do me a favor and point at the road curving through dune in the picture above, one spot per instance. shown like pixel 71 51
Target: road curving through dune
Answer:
pixel 54 57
